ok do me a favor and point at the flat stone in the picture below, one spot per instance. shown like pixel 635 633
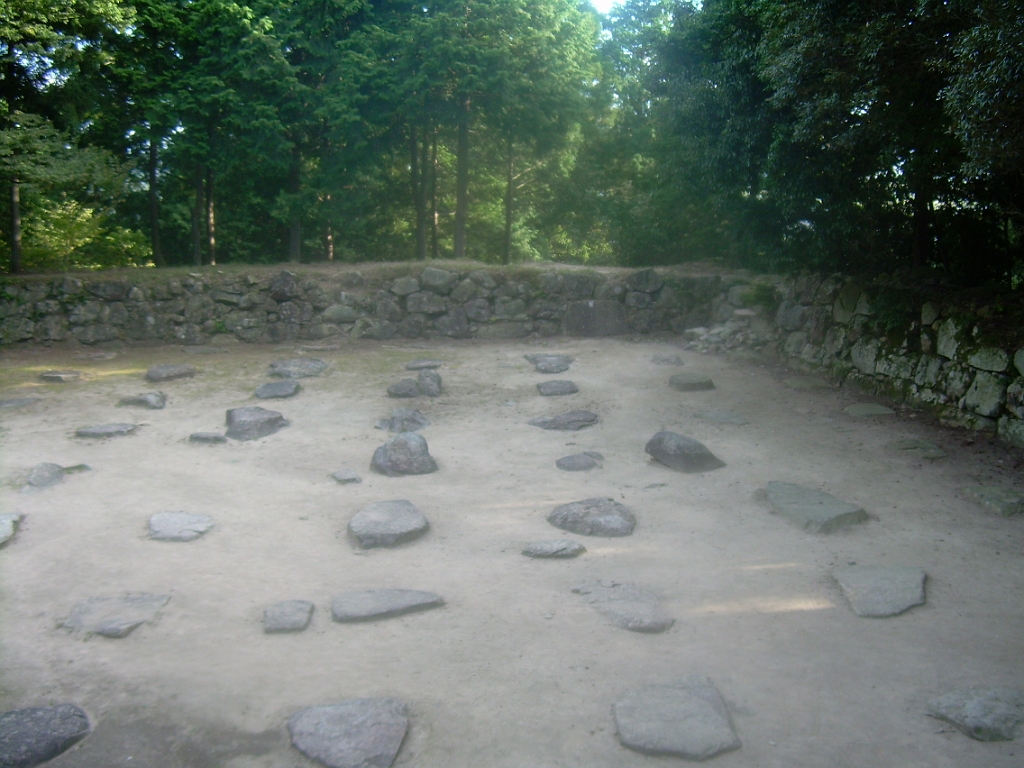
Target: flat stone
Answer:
pixel 1005 501
pixel 252 422
pixel 154 401
pixel 171 371
pixel 114 616
pixel 287 616
pixel 404 388
pixel 419 365
pixel 813 510
pixel 922 449
pixel 861 410
pixel 106 430
pixel 429 383
pixel 691 382
pixel 207 437
pixel 626 605
pixel 387 524
pixel 8 526
pixel 573 420
pixel 667 360
pixel 61 377
pixel 723 417
pixel 347 476
pixel 404 420
pixel 403 286
pixel 687 719
pixel 286 388
pixel 18 402
pixel 404 454
pixel 985 714
pixel 878 591
pixel 682 453
pixel 46 474
pixel 31 736
pixel 554 548
pixel 556 388
pixel 805 383
pixel 298 368
pixel 371 604
pixel 594 517
pixel 550 363
pixel 178 526
pixel 580 462
pixel 357 733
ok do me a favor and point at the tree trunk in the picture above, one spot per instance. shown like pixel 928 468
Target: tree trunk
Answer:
pixel 418 185
pixel 15 226
pixel 197 219
pixel 506 255
pixel 211 227
pixel 462 183
pixel 154 205
pixel 433 195
pixel 295 220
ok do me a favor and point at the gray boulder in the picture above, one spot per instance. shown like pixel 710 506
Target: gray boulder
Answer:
pixel 879 591
pixel 580 462
pixel 207 437
pixel 404 388
pixel 573 420
pixel 357 733
pixel 429 383
pixel 438 280
pixel 404 454
pixel 371 604
pixel 626 605
pixel 8 526
pixel 557 388
pixel 252 422
pixel 812 510
pixel 985 714
pixel 287 616
pixel 106 430
pixel 597 317
pixel 687 719
pixel 171 371
pixel 550 363
pixel 690 382
pixel 404 420
pixel 114 616
pixel 298 368
pixel 387 524
pixel 46 474
pixel 29 737
pixel 682 453
pixel 593 517
pixel 178 526
pixel 154 401
pixel 286 388
pixel 554 548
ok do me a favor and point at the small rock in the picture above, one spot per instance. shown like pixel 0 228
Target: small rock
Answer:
pixel 723 417
pixel 152 400
pixel 429 383
pixel 357 733
pixel 8 526
pixel 593 517
pixel 550 363
pixel 861 410
pixel 45 475
pixel 252 422
pixel 687 719
pixel 682 453
pixel 691 382
pixel 554 548
pixel 114 616
pixel 404 454
pixel 419 365
pixel 171 371
pixel 207 437
pixel 667 360
pixel 18 402
pixel 573 420
pixel 922 449
pixel 29 737
pixel 387 524
pixel 347 476
pixel 106 430
pixel 556 388
pixel 985 714
pixel 627 605
pixel 178 526
pixel 880 591
pixel 579 462
pixel 61 377
pixel 1005 501
pixel 287 616
pixel 404 388
pixel 404 420
pixel 813 510
pixel 286 388
pixel 370 604
pixel 298 368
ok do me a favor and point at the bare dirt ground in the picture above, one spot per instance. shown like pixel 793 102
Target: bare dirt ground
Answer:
pixel 515 671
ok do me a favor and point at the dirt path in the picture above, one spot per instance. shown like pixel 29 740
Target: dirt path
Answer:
pixel 515 671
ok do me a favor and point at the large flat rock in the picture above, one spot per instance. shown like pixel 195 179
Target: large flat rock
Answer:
pixel 580 462
pixel 278 389
pixel 178 526
pixel 554 549
pixel 571 421
pixel 627 605
pixel 690 382
pixel 545 363
pixel 404 454
pixel 594 517
pixel 878 591
pixel 811 509
pixel 170 372
pixel 31 736
pixel 106 430
pixel 60 377
pixel 387 524
pixel 687 719
pixel 985 714
pixel 557 388
pixel 682 453
pixel 154 401
pixel 298 368
pixel 287 616
pixel 371 604
pixel 45 475
pixel 114 616
pixel 252 422
pixel 357 733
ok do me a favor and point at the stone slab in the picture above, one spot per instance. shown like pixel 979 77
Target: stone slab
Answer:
pixel 550 363
pixel 863 410
pixel 347 476
pixel 688 719
pixel 178 526
pixel 61 377
pixel 372 604
pixel 813 510
pixel 580 462
pixel 626 605
pixel 170 372
pixel 1005 501
pixel 272 389
pixel 878 591
pixel 207 437
pixel 114 616
pixel 419 365
pixel 985 714
pixel 297 368
pixel 287 616
pixel 106 430
pixel 357 733
pixel 723 417
pixel 682 453
pixel 557 388
pixel 8 526
pixel 404 454
pixel 45 475
pixel 594 517
pixel 554 549
pixel 154 401
pixel 919 448
pixel 34 735
pixel 571 421
pixel 387 524
pixel 251 422
pixel 404 420
pixel 691 382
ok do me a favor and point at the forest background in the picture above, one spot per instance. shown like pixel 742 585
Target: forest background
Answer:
pixel 872 136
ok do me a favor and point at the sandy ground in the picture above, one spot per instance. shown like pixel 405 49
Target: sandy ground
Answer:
pixel 515 671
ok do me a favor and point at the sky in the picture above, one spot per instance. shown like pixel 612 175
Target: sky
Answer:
pixel 602 6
